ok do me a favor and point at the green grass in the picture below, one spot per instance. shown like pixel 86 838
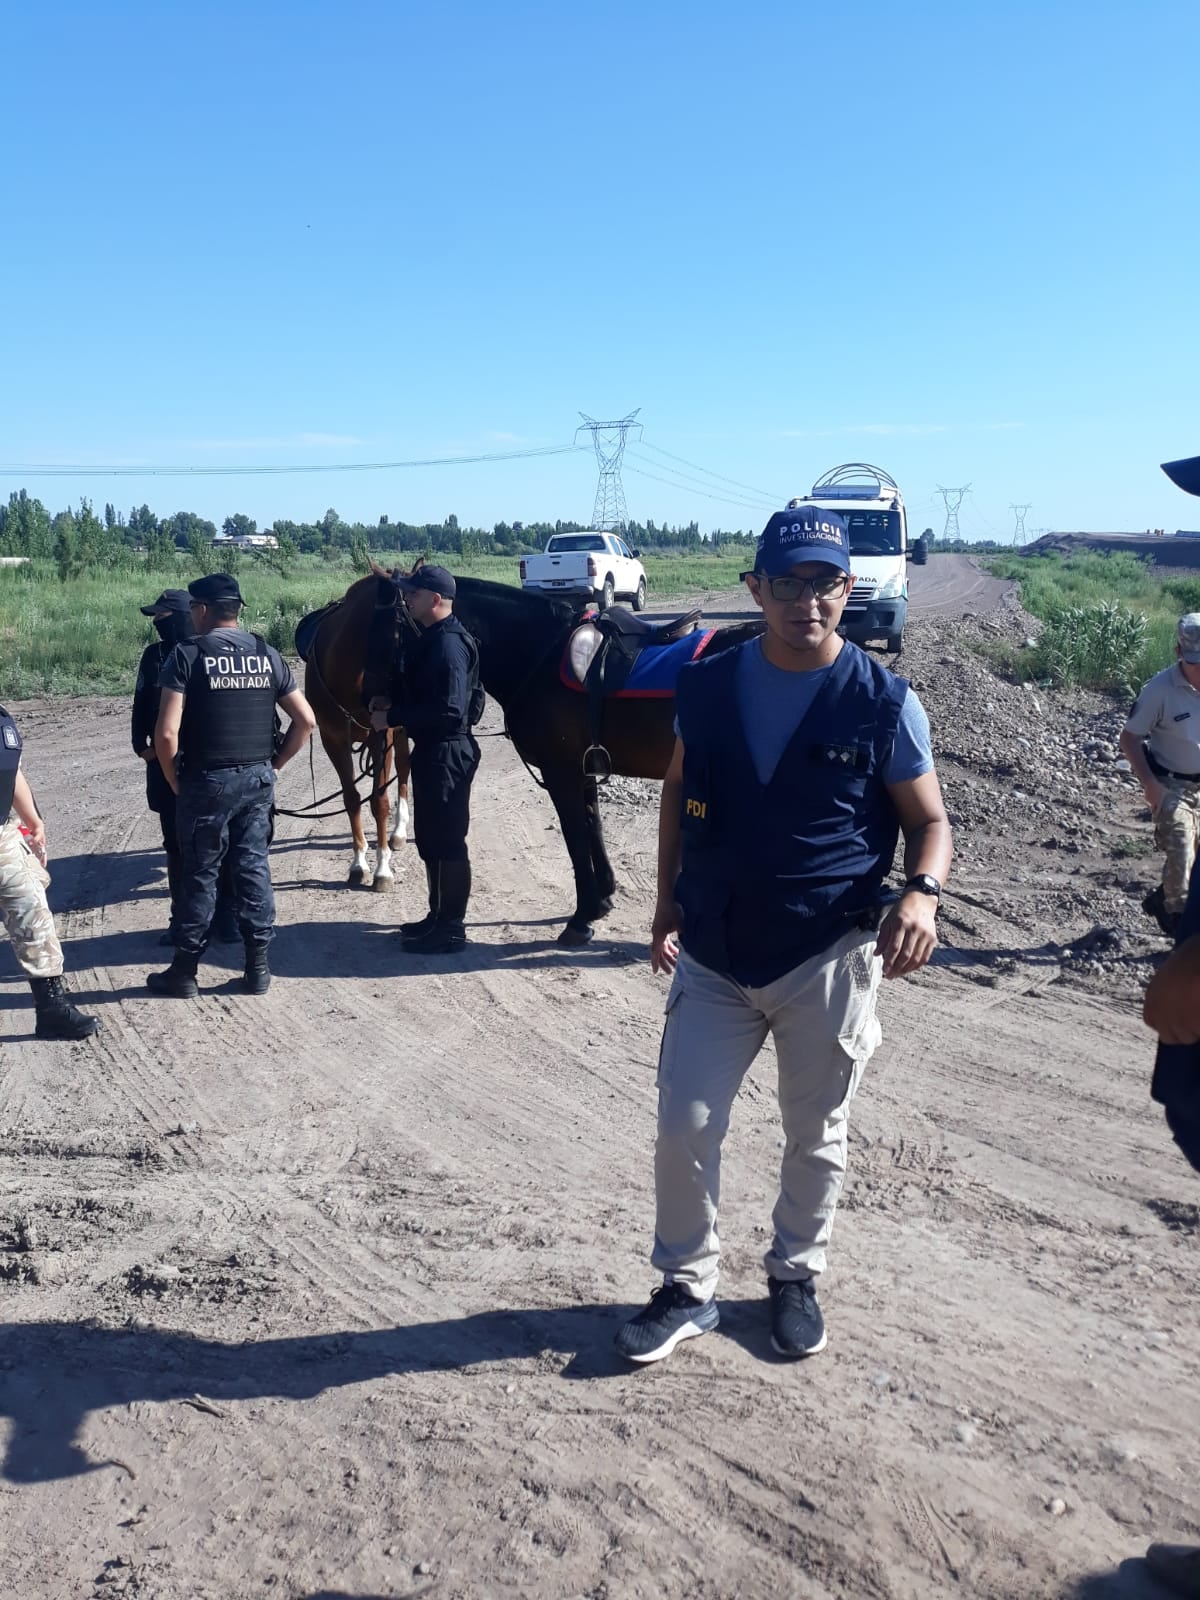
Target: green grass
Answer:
pixel 84 636
pixel 1109 620
pixel 1133 847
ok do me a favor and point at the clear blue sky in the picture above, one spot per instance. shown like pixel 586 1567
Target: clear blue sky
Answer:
pixel 959 240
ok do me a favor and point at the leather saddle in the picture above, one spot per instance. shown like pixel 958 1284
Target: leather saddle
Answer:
pixel 605 645
pixel 306 628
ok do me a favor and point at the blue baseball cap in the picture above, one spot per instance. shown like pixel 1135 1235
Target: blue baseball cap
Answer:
pixel 803 533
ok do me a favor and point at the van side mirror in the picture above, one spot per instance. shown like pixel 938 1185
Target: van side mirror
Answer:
pixel 637 555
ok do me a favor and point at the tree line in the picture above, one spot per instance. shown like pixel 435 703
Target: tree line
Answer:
pixel 79 540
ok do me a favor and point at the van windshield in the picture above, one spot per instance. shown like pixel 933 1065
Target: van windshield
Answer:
pixel 873 533
pixel 575 541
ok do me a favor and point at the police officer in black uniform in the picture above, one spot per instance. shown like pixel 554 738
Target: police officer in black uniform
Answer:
pixel 437 701
pixel 172 617
pixel 215 740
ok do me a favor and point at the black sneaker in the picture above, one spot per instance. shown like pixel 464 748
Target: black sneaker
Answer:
pixel 797 1326
pixel 673 1314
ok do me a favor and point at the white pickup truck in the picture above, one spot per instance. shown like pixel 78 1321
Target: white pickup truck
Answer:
pixel 599 565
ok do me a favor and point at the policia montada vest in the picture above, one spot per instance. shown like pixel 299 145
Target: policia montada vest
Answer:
pixel 229 717
pixel 774 873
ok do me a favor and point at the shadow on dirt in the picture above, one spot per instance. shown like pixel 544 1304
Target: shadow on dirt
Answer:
pixel 327 950
pixel 1132 1580
pixel 53 1375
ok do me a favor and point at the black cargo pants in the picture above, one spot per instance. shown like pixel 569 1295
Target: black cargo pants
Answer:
pixel 442 774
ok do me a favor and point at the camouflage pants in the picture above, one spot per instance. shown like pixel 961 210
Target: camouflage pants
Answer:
pixel 1175 828
pixel 23 907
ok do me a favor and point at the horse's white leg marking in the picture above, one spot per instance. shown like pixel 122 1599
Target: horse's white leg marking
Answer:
pixel 383 868
pixel 358 866
pixel 400 831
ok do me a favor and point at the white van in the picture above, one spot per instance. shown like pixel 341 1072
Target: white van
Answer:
pixel 870 503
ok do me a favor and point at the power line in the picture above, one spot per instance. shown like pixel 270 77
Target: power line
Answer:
pixel 688 483
pixel 704 494
pixel 33 468
pixel 764 493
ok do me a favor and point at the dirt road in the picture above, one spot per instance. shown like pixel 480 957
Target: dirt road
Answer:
pixel 950 585
pixel 946 586
pixel 313 1294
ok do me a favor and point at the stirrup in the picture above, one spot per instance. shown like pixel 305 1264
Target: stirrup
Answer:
pixel 600 767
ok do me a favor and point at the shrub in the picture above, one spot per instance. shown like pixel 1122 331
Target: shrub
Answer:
pixel 1100 645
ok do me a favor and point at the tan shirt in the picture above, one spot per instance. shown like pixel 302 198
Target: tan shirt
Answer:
pixel 1167 716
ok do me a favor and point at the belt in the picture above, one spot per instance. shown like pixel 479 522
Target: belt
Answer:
pixel 232 766
pixel 1159 771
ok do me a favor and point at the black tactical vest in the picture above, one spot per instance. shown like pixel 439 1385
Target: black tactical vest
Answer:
pixel 229 705
pixel 10 760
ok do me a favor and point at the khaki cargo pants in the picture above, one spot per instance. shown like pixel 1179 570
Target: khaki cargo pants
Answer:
pixel 23 908
pixel 1176 827
pixel 821 1017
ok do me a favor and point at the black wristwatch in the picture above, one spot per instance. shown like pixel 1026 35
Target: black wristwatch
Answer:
pixel 924 884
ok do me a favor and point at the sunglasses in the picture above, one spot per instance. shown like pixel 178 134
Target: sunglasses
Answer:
pixel 786 589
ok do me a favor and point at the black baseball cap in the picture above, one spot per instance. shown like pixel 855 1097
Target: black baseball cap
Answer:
pixel 218 589
pixel 437 579
pixel 168 600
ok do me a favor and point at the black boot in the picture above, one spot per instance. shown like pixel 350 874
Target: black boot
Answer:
pixel 179 979
pixel 447 934
pixel 1155 905
pixel 257 977
pixel 57 1018
pixel 417 930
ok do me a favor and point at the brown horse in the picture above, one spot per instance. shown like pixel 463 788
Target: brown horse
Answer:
pixel 521 638
pixel 336 659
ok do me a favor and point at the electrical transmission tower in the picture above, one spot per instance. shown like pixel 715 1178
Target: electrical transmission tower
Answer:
pixel 1020 513
pixel 609 439
pixel 953 498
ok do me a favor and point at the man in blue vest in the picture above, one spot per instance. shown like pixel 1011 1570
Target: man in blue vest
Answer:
pixel 215 741
pixel 798 763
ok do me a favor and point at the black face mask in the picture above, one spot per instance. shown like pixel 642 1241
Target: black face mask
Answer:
pixel 174 627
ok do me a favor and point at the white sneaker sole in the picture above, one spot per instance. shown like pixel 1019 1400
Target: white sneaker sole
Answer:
pixel 798 1355
pixel 690 1330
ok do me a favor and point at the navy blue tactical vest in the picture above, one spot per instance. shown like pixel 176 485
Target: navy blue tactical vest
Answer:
pixel 10 760
pixel 773 874
pixel 229 705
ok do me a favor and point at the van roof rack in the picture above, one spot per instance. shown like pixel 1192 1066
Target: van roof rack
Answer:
pixel 854 480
